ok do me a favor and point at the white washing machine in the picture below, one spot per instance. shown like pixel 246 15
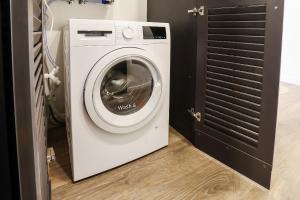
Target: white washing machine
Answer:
pixel 117 92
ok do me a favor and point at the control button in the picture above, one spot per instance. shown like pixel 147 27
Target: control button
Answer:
pixel 128 33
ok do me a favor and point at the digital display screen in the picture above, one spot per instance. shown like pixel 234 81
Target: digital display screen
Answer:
pixel 154 33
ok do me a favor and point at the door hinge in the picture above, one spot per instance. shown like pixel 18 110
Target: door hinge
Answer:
pixel 50 155
pixel 201 11
pixel 195 11
pixel 196 115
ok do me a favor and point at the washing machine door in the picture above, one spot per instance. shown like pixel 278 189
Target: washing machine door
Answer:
pixel 124 90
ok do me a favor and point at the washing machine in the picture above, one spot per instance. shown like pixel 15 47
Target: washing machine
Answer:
pixel 117 76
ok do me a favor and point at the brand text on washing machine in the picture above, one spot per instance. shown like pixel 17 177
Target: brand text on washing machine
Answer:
pixel 126 107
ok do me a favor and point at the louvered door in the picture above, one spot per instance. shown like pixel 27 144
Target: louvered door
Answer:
pixel 28 97
pixel 239 45
pixel 39 105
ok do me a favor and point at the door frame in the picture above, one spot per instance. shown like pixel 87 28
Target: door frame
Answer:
pixel 9 165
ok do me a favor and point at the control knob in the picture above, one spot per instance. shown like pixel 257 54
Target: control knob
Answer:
pixel 128 33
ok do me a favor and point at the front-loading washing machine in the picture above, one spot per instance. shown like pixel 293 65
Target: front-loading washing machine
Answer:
pixel 117 76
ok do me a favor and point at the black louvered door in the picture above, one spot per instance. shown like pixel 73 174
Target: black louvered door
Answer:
pixel 40 125
pixel 239 47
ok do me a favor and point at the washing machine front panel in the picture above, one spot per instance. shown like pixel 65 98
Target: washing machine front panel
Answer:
pixel 124 90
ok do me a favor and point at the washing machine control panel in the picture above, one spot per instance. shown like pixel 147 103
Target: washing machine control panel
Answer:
pixel 107 33
pixel 139 33
pixel 128 33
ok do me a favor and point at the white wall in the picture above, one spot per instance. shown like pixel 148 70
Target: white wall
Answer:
pixel 135 10
pixel 290 65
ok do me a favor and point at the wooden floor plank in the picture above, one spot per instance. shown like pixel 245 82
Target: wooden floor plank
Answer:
pixel 180 171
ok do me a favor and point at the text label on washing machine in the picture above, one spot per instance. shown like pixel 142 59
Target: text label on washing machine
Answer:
pixel 126 107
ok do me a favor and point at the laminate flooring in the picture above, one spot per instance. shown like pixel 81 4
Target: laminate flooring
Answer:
pixel 180 171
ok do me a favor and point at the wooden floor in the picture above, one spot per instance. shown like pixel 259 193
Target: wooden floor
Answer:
pixel 180 171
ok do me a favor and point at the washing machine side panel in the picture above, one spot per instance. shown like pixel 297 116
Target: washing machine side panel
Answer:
pixel 66 57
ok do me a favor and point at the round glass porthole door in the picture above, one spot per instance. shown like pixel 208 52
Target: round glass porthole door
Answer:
pixel 127 87
pixel 124 90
